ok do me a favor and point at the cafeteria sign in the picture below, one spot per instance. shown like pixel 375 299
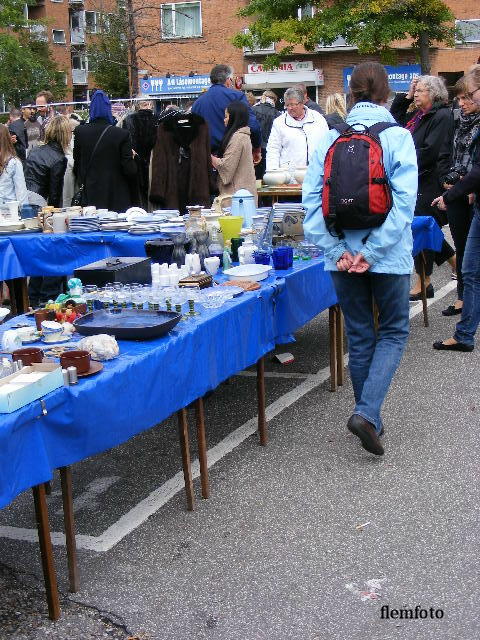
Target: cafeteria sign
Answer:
pixel 175 85
pixel 399 78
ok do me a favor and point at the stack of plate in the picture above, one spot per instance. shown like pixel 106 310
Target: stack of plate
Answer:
pixel 84 224
pixel 115 226
pixel 144 228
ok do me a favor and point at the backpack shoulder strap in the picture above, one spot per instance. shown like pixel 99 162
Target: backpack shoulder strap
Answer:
pixel 341 127
pixel 377 129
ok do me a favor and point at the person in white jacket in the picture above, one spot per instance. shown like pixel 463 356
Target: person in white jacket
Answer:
pixel 295 134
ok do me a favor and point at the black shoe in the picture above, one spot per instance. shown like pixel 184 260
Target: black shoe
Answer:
pixel 418 296
pixel 367 434
pixel 451 311
pixel 458 346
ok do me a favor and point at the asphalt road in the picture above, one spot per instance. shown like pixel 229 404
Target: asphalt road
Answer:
pixel 276 553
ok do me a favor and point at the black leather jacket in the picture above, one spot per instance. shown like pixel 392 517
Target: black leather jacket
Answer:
pixel 45 170
pixel 265 114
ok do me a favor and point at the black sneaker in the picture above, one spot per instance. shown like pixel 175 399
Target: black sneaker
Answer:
pixel 367 434
pixel 451 310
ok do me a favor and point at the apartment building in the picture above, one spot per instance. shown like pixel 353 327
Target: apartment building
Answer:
pixel 69 25
pixel 196 34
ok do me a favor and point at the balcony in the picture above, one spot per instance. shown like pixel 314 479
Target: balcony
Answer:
pixel 79 76
pixel 39 31
pixel 77 36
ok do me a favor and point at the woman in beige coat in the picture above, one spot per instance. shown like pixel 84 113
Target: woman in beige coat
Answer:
pixel 235 162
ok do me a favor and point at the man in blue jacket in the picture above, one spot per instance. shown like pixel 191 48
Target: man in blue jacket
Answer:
pixel 212 104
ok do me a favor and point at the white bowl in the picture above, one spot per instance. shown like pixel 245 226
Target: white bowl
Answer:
pixel 255 272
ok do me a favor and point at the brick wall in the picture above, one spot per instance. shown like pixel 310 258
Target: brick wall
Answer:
pixel 180 56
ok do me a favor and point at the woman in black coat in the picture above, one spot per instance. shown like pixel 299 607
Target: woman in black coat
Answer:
pixel 431 126
pixel 464 336
pixel 108 175
pixel 44 173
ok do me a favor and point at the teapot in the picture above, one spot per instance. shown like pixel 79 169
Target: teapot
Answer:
pixel 244 205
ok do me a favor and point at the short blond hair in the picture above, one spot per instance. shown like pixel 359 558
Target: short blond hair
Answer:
pixel 58 130
pixel 336 104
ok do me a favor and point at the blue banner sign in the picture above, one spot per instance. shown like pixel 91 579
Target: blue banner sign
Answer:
pixel 175 85
pixel 399 78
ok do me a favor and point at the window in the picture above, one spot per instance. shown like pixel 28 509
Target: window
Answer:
pixel 305 12
pixel 80 61
pixel 257 49
pixel 181 20
pixel 469 31
pixel 58 36
pixel 92 22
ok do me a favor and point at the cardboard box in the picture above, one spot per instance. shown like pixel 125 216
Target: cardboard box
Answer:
pixel 16 391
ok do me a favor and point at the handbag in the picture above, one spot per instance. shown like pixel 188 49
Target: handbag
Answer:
pixel 77 200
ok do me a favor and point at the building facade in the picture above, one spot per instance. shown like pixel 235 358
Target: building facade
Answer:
pixel 70 26
pixel 185 38
pixel 196 34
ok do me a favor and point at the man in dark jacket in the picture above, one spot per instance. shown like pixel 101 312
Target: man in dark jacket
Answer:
pixel 310 104
pixel 212 104
pixel 142 127
pixel 16 126
pixel 265 112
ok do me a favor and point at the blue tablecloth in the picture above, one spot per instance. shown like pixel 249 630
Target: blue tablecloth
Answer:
pixel 36 254
pixel 53 254
pixel 151 380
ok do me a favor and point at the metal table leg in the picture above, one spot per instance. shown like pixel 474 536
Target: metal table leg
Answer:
pixel 185 450
pixel 262 419
pixel 69 525
pixel 340 344
pixel 423 290
pixel 48 565
pixel 332 322
pixel 202 447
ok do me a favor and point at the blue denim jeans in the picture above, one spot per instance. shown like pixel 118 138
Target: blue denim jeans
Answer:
pixel 467 327
pixel 373 356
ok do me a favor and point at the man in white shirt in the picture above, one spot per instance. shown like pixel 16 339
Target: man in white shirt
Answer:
pixel 295 134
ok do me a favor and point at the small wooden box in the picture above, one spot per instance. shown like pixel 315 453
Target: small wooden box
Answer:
pixel 201 281
pixel 19 393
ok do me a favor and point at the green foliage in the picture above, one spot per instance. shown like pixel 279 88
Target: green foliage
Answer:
pixel 108 56
pixel 26 67
pixel 370 25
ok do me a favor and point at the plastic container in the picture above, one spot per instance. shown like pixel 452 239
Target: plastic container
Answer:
pixel 230 226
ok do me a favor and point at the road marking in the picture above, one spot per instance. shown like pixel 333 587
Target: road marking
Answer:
pixel 159 497
pixel 276 374
pixel 88 499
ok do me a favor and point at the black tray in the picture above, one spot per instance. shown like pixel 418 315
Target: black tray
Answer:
pixel 127 324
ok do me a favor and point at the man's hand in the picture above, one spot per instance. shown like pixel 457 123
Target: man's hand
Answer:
pixel 440 203
pixel 345 262
pixel 13 138
pixel 471 198
pixel 257 155
pixel 359 264
pixel 214 161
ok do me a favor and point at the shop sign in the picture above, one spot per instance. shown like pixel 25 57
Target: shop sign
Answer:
pixel 302 65
pixel 175 84
pixel 399 77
